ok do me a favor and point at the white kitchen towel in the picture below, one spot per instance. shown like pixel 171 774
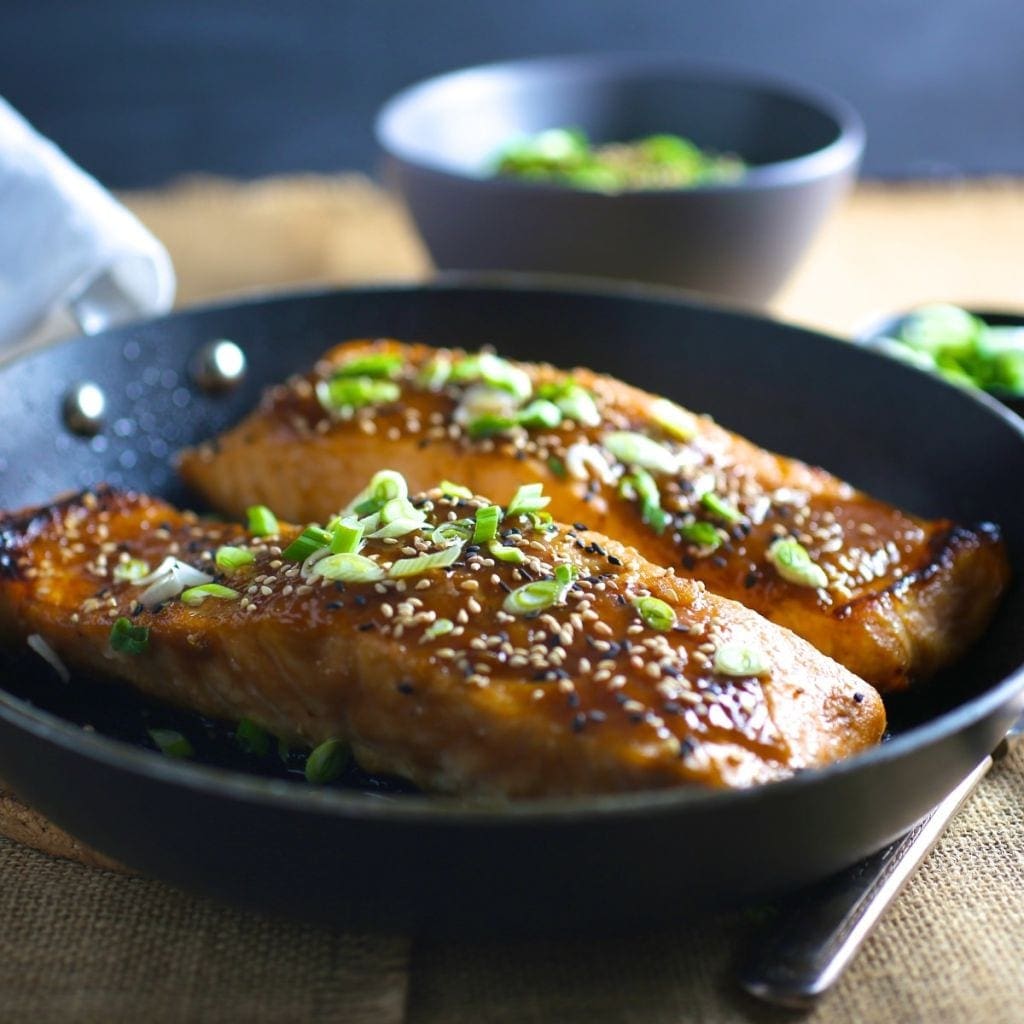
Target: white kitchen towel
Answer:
pixel 63 236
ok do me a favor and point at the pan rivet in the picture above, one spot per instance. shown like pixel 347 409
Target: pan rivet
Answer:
pixel 84 406
pixel 218 366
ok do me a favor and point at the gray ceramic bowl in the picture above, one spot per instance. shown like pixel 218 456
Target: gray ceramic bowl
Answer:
pixel 737 241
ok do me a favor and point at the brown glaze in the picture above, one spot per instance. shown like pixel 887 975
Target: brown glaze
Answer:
pixel 905 596
pixel 582 697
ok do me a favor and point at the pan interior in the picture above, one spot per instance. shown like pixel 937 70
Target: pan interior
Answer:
pixel 890 430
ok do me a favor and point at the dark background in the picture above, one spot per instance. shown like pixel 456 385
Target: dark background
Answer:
pixel 141 92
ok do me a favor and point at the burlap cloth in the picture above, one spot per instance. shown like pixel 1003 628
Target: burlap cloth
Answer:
pixel 80 942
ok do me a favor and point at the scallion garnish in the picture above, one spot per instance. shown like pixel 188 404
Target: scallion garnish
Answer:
pixel 495 372
pixel 720 507
pixel 488 425
pixel 738 659
pixel 377 365
pixel 542 522
pixel 327 761
pixel 345 393
pixel 635 449
pixel 252 738
pixel 529 498
pixel 540 413
pixel 346 536
pixel 195 596
pixel 424 563
pixel 450 490
pixel 641 485
pixel 262 522
pixel 435 374
pixel 506 553
pixel 349 568
pixel 312 538
pixel 486 527
pixel 655 613
pixel 398 517
pixel 439 627
pixel 540 594
pixel 674 419
pixel 572 401
pixel 385 485
pixel 557 467
pixel 795 565
pixel 130 570
pixel 457 532
pixel 171 742
pixel 128 638
pixel 229 557
pixel 702 534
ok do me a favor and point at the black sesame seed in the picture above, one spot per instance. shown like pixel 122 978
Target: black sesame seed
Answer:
pixel 621 698
pixel 750 580
pixel 406 688
pixel 671 707
pixel 335 605
pixel 366 626
pixel 597 716
pixel 361 600
pixel 612 560
pixel 689 562
pixel 573 700
pixel 579 720
pixel 579 526
pixel 858 698
pixel 720 561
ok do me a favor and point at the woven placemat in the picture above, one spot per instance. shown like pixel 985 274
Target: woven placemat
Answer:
pixel 90 944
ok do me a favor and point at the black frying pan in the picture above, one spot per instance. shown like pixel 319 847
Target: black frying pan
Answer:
pixel 370 855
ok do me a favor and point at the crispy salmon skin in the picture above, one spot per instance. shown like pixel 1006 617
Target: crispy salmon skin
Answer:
pixel 606 674
pixel 892 596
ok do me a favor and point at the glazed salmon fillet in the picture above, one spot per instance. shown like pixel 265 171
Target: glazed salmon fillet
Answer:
pixel 891 596
pixel 548 660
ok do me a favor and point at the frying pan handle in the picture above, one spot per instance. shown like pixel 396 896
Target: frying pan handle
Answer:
pixel 104 303
pixel 808 945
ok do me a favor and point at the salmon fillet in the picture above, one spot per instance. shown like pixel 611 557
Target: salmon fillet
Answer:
pixel 891 596
pixel 430 677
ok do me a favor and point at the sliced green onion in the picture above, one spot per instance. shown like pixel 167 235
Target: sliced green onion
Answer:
pixel 450 490
pixel 131 570
pixel 542 522
pixel 529 498
pixel 346 536
pixel 262 522
pixel 737 659
pixel 397 528
pixel 674 419
pixel 506 553
pixel 655 613
pixel 702 534
pixel 229 557
pixel 385 485
pixel 341 393
pixel 171 742
pixel 488 425
pixel 638 450
pixel 424 563
pixel 439 627
pixel 540 413
pixel 435 374
pixel 655 517
pixel 195 596
pixel 349 568
pixel 720 507
pixel 327 762
pixel 457 532
pixel 486 527
pixel 312 538
pixel 640 484
pixel 795 565
pixel 557 467
pixel 400 508
pixel 378 364
pixel 129 638
pixel 572 400
pixel 540 594
pixel 494 371
pixel 576 403
pixel 252 738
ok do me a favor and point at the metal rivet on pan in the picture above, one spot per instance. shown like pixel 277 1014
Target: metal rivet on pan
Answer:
pixel 218 366
pixel 84 406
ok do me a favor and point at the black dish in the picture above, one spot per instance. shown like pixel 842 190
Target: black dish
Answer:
pixel 889 328
pixel 737 241
pixel 352 858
